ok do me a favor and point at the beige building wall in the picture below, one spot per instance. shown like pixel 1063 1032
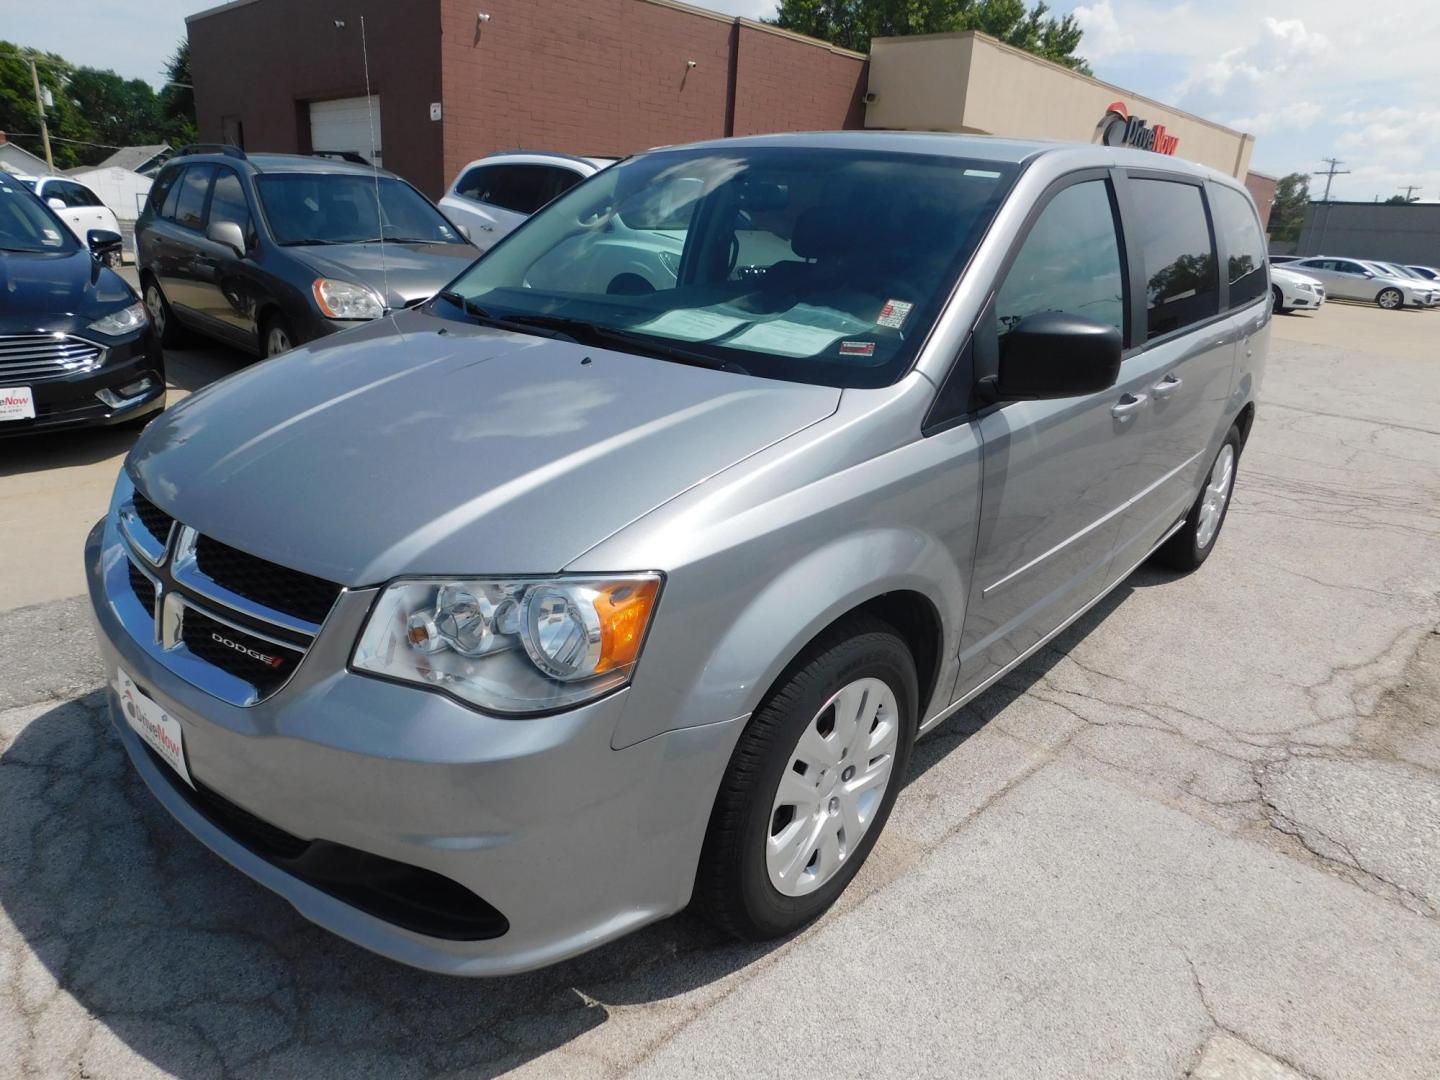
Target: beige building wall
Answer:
pixel 970 82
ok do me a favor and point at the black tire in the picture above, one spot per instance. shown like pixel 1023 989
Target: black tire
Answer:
pixel 1390 299
pixel 733 888
pixel 167 329
pixel 275 324
pixel 1184 551
pixel 1278 305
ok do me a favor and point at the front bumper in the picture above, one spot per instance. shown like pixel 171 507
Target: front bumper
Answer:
pixel 572 842
pixel 72 401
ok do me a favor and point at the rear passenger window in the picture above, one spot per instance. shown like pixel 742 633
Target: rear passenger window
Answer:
pixel 194 187
pixel 1069 262
pixel 1244 246
pixel 1181 284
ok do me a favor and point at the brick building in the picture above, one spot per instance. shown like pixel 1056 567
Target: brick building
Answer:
pixel 457 79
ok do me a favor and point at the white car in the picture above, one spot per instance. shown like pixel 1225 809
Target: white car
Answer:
pixel 1354 279
pixel 77 206
pixel 1293 291
pixel 1401 271
pixel 494 194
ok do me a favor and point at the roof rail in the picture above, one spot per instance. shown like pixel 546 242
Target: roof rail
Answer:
pixel 211 148
pixel 342 155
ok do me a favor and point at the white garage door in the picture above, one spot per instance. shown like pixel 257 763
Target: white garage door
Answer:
pixel 343 125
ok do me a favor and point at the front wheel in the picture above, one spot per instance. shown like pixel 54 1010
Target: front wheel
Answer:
pixel 276 337
pixel 1192 544
pixel 167 329
pixel 1390 299
pixel 810 784
pixel 1278 300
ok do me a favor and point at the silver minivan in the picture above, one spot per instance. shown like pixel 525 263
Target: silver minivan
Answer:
pixel 501 626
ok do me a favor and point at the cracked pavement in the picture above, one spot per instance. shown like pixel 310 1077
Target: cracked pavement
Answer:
pixel 1198 835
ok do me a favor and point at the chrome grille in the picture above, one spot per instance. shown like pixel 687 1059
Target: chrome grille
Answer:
pixel 239 634
pixel 34 357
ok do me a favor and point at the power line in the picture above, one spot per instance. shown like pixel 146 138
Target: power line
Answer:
pixel 57 138
pixel 1331 173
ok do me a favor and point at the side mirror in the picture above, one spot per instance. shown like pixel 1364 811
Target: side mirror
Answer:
pixel 103 243
pixel 463 230
pixel 1366 273
pixel 229 234
pixel 55 204
pixel 1057 355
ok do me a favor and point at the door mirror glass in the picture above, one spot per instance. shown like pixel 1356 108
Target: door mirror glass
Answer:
pixel 1057 355
pixel 55 204
pixel 103 242
pixel 229 234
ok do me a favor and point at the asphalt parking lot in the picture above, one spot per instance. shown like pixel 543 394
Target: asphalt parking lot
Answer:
pixel 1198 835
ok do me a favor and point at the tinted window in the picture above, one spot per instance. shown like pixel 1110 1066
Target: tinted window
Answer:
pixel 67 193
pixel 521 188
pixel 84 196
pixel 813 265
pixel 1180 280
pixel 228 201
pixel 1345 266
pixel 193 187
pixel 1244 246
pixel 25 225
pixel 1070 262
pixel 165 193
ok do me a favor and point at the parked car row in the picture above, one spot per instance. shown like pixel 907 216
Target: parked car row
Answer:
pixel 1389 285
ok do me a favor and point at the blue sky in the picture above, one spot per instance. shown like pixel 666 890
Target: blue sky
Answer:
pixel 1316 79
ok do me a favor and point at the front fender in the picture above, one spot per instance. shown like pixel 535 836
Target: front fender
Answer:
pixel 768 628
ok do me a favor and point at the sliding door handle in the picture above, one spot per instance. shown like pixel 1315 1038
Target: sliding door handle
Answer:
pixel 1165 387
pixel 1126 406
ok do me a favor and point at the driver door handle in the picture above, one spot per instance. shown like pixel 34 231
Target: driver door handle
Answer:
pixel 1122 409
pixel 1165 387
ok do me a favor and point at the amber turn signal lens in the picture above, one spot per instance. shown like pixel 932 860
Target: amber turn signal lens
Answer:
pixel 624 609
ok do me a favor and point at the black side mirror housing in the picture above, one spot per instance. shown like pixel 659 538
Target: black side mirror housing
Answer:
pixel 1057 355
pixel 103 242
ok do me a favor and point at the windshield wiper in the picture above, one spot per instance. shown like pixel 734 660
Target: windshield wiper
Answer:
pixel 646 345
pixel 504 322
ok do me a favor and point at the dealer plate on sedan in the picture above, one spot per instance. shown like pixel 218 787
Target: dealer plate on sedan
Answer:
pixel 16 403
pixel 159 729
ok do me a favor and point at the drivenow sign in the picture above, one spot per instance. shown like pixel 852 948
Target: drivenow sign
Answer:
pixel 1119 128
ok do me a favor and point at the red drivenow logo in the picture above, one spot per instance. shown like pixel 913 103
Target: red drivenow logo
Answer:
pixel 1118 128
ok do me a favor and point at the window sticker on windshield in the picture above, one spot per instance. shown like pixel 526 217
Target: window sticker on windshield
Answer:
pixel 691 324
pixel 893 314
pixel 857 348
pixel 50 234
pixel 786 338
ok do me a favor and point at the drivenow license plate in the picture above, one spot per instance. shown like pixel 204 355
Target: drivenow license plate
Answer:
pixel 153 724
pixel 16 403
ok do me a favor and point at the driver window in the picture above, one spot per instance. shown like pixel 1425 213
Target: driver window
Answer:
pixel 1070 262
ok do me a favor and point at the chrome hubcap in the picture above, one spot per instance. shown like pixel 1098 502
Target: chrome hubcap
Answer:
pixel 1389 300
pixel 156 307
pixel 1215 496
pixel 276 342
pixel 832 787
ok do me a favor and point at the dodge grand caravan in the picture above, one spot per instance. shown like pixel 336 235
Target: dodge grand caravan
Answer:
pixel 501 626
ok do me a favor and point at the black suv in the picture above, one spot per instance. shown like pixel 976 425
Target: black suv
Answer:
pixel 268 251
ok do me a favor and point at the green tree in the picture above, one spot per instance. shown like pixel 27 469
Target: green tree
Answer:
pixel 177 99
pixel 18 118
pixel 1287 211
pixel 1398 200
pixel 120 112
pixel 852 23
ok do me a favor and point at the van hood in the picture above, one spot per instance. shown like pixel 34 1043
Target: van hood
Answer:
pixel 409 272
pixel 416 445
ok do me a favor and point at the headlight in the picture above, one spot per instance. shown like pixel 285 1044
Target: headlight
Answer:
pixel 1304 286
pixel 511 646
pixel 346 300
pixel 122 321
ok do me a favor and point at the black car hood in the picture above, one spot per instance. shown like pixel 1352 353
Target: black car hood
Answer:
pixel 56 292
pixel 411 271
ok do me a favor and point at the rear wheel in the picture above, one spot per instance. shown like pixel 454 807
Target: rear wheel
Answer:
pixel 810 784
pixel 1192 545
pixel 169 332
pixel 1390 299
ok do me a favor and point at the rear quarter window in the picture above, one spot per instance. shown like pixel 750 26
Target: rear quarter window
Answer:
pixel 1237 225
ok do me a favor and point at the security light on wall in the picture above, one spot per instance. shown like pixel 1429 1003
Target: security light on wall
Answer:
pixel 689 63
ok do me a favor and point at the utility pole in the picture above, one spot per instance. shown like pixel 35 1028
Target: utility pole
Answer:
pixel 1331 173
pixel 1409 190
pixel 40 108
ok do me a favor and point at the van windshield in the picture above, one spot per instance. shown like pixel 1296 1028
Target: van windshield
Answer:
pixel 812 265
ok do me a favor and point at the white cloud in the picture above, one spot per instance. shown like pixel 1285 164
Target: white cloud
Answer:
pixel 1298 116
